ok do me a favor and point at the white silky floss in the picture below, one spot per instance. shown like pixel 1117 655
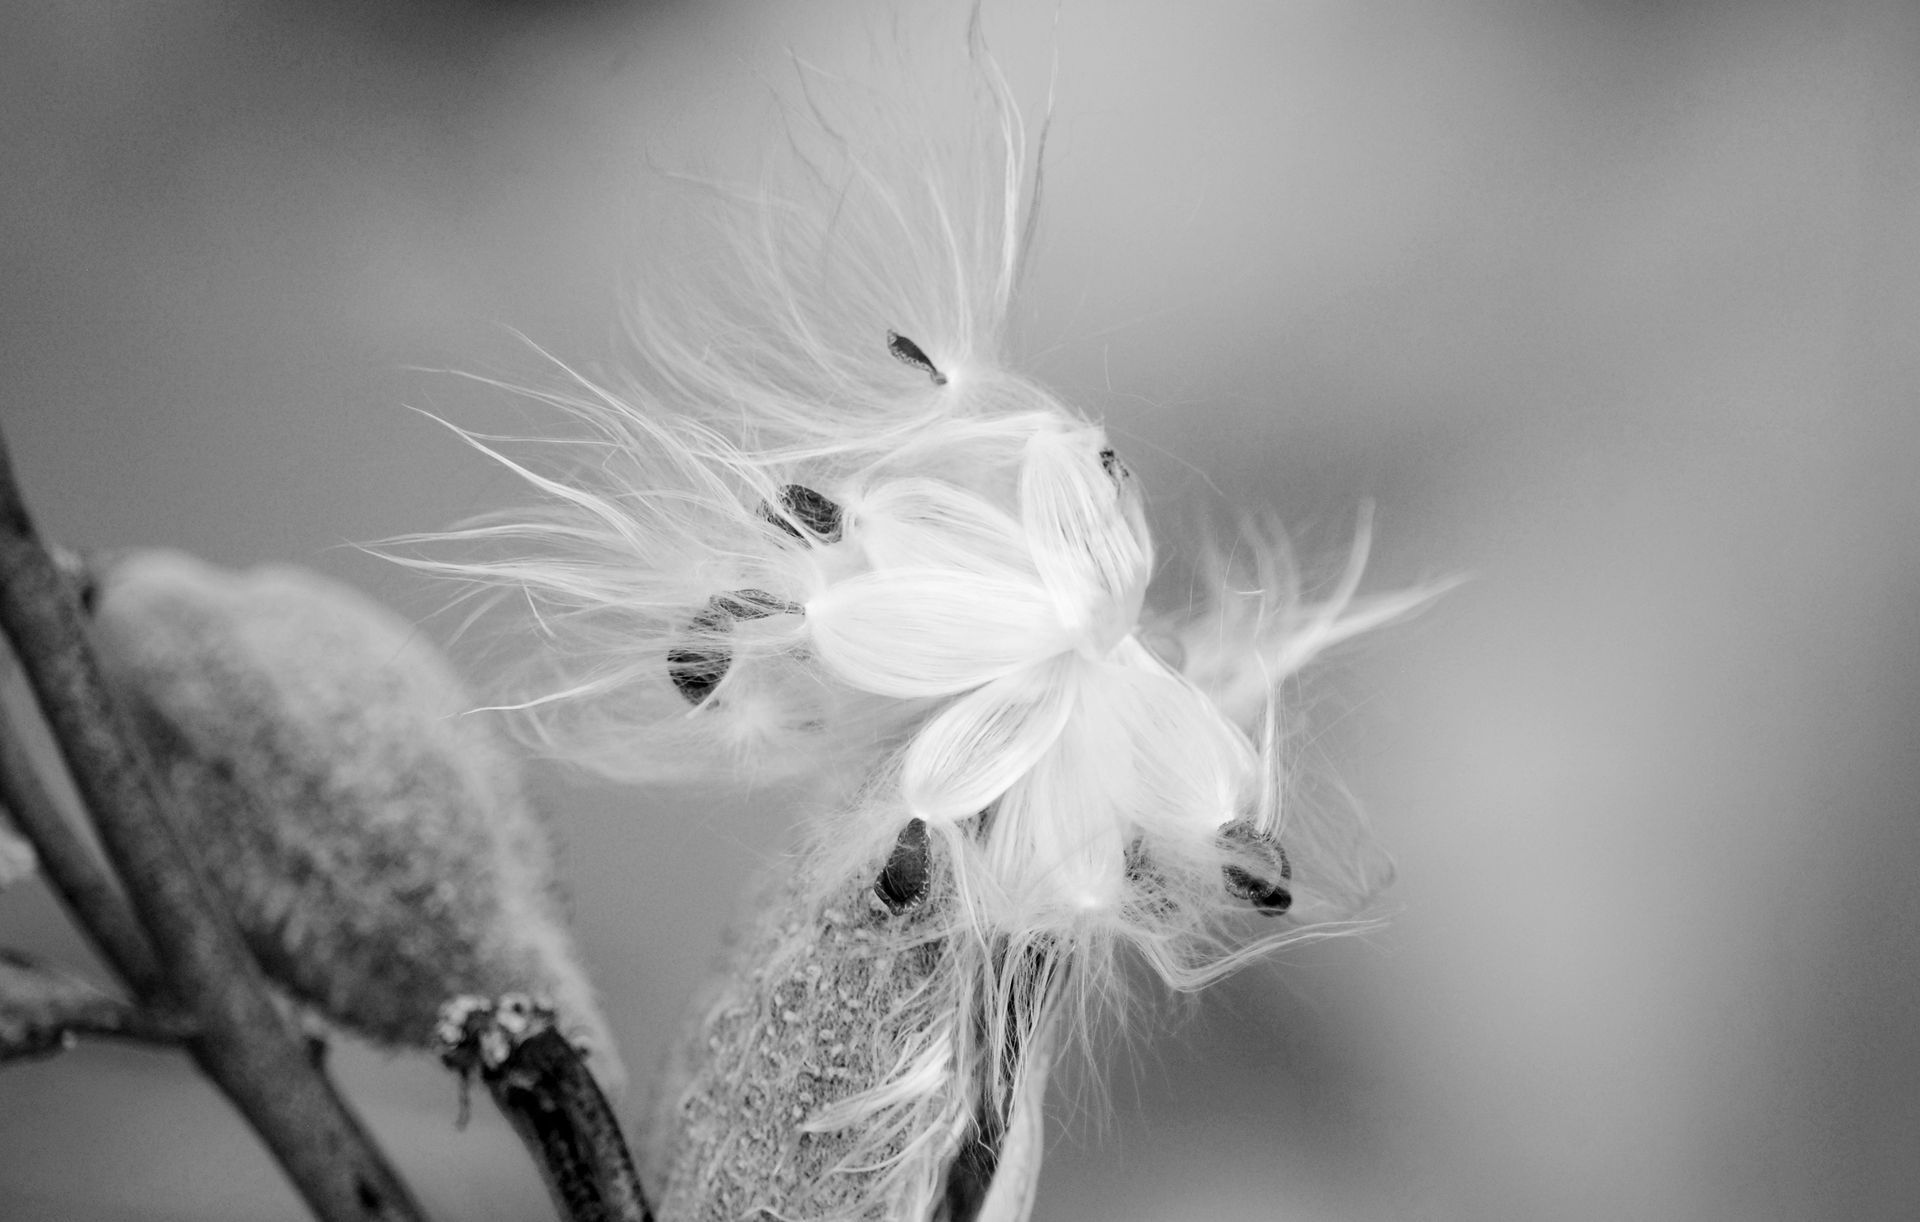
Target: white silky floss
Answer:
pixel 823 531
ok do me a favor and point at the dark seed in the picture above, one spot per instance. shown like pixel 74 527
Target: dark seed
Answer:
pixel 904 880
pixel 908 353
pixel 1269 897
pixel 745 604
pixel 697 669
pixel 1110 463
pixel 810 509
pixel 778 519
pixel 696 672
pixel 1265 886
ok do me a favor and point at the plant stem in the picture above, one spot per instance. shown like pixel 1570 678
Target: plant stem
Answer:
pixel 246 1045
pixel 540 1084
pixel 43 1010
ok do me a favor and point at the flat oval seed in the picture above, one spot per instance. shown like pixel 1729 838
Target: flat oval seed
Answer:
pixel 809 508
pixel 909 353
pixel 697 669
pixel 904 880
pixel 1265 887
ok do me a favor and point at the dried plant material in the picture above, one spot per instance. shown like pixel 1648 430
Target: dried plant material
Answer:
pixel 826 528
pixel 369 837
pixel 243 1042
pixel 537 1079
pixel 45 1009
pixel 842 1070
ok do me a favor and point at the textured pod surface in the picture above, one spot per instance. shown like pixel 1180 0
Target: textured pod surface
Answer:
pixel 371 840
pixel 835 1073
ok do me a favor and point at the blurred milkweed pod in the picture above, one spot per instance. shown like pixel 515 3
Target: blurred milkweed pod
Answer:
pixel 370 840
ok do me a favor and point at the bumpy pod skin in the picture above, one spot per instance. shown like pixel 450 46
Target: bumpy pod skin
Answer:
pixel 372 840
pixel 839 1072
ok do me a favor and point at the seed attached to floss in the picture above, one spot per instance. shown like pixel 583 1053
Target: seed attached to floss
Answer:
pixel 903 881
pixel 909 353
pixel 979 653
pixel 697 670
pixel 1267 890
pixel 807 507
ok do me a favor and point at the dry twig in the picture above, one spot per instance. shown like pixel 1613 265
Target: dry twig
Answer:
pixel 79 878
pixel 246 1045
pixel 44 1010
pixel 545 1091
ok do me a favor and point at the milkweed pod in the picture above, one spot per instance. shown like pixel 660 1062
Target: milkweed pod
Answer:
pixel 828 420
pixel 370 838
pixel 850 1065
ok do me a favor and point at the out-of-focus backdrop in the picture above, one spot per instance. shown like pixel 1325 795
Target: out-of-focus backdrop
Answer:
pixel 1614 307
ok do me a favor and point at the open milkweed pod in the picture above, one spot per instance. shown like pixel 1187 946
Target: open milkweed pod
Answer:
pixel 370 839
pixel 840 1071
pixel 826 529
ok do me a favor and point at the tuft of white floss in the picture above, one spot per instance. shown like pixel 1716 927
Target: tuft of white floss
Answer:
pixel 824 526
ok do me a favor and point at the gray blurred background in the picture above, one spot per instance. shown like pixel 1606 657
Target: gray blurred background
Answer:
pixel 1612 306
